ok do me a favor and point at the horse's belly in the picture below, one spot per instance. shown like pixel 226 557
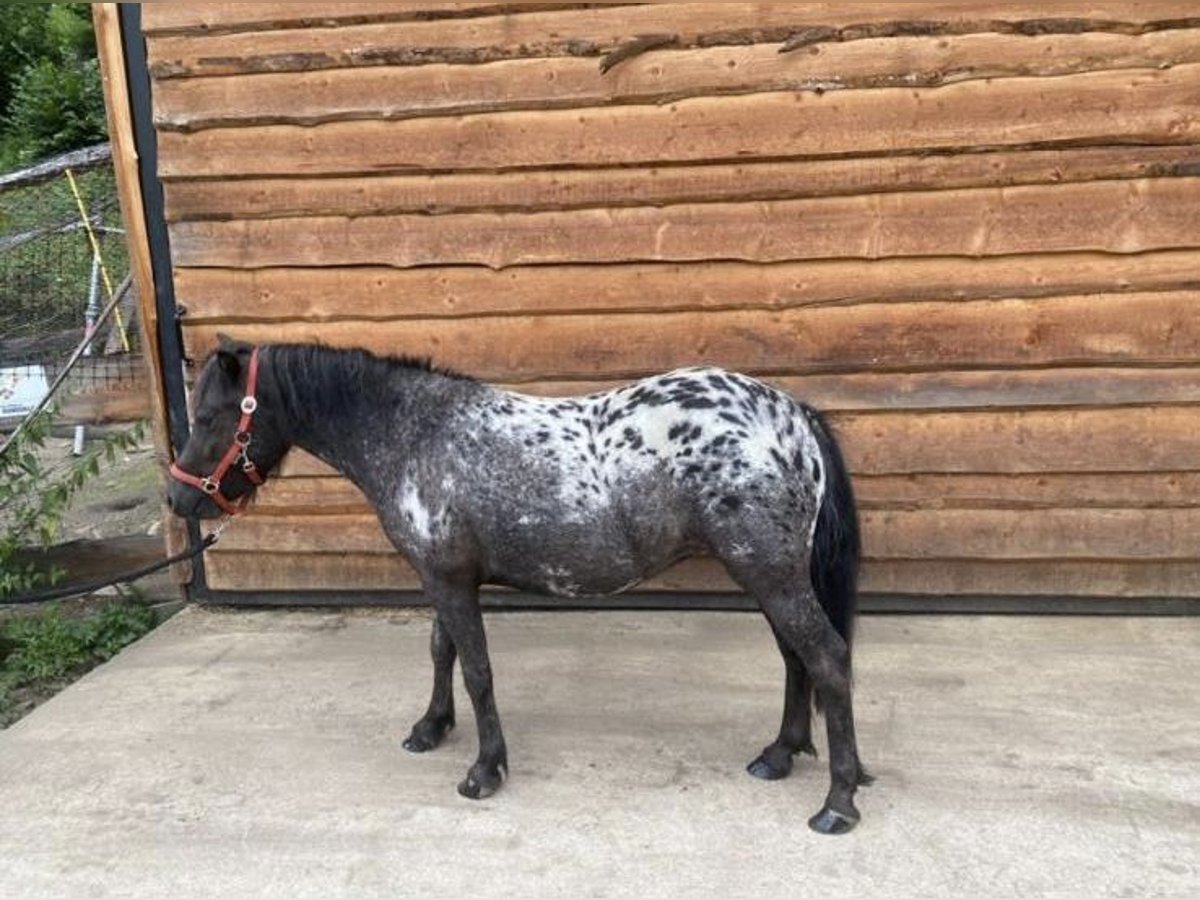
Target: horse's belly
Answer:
pixel 585 562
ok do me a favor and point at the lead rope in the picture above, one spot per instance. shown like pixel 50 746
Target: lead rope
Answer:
pixel 124 578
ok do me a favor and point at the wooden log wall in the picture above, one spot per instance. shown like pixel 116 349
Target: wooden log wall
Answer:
pixel 968 230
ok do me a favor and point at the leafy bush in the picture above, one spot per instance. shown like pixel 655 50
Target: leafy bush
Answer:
pixel 51 98
pixel 49 645
pixel 33 499
pixel 57 107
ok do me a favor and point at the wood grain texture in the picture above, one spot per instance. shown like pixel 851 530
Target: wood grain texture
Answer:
pixel 1103 216
pixel 1096 108
pixel 1109 441
pixel 218 18
pixel 602 28
pixel 1138 439
pixel 1159 328
pixel 351 572
pixel 532 191
pixel 230 296
pixel 403 92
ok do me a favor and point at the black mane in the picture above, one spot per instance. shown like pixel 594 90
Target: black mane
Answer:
pixel 316 379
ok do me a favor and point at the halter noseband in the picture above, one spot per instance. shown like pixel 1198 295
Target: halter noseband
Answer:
pixel 211 484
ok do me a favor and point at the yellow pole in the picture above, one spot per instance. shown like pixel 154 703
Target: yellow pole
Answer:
pixel 99 256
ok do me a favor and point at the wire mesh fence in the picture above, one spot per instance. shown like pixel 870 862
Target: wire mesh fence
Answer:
pixel 62 251
pixel 85 504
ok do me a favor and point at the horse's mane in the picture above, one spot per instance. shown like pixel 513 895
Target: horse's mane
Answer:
pixel 317 379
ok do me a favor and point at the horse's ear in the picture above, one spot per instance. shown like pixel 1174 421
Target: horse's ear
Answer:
pixel 228 360
pixel 229 354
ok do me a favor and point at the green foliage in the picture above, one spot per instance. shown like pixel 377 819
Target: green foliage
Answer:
pixel 49 645
pixel 57 107
pixel 46 646
pixel 34 499
pixel 50 93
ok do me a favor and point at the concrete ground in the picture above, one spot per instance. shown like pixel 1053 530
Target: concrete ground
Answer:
pixel 257 755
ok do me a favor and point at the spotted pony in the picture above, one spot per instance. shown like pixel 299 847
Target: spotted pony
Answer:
pixel 571 497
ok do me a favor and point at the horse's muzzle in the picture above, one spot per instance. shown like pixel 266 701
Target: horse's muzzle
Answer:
pixel 191 503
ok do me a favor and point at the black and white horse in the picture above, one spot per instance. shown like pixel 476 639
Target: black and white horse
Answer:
pixel 568 496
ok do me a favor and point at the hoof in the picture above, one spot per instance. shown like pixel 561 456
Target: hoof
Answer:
pixel 771 766
pixel 480 784
pixel 775 761
pixel 830 821
pixel 426 735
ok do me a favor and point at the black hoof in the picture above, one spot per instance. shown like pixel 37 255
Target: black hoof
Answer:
pixel 771 765
pixel 427 734
pixel 481 783
pixel 830 821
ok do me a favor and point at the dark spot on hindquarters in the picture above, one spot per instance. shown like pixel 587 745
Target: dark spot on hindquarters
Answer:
pixel 798 460
pixel 647 396
pixel 570 433
pixel 543 435
pixel 676 431
pixel 715 444
pixel 714 467
pixel 596 489
pixel 686 451
pixel 731 418
pixel 692 469
pixel 554 412
pixel 731 503
pixel 816 468
pixel 779 458
pixel 717 380
pixel 697 403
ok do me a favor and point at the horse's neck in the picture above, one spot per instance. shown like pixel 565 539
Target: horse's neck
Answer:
pixel 365 429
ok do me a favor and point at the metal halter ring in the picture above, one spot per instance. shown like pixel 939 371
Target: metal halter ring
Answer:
pixel 209 486
pixel 243 439
pixel 249 405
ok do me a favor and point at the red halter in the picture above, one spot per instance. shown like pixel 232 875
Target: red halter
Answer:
pixel 211 485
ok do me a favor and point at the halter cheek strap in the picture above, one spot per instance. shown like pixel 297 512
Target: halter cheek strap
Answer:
pixel 236 454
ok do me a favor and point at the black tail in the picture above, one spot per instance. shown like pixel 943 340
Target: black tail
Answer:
pixel 836 546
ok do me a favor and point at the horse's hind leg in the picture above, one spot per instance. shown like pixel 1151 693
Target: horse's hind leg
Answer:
pixel 795 732
pixel 786 595
pixel 804 627
pixel 432 727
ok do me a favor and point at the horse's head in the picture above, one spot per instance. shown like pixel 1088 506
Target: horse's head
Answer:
pixel 234 441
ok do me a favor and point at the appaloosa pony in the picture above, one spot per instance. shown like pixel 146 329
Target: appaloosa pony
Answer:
pixel 568 496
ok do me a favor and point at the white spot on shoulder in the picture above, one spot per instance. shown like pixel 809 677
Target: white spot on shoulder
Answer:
pixel 415 512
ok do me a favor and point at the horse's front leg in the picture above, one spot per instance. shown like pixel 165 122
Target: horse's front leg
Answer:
pixel 432 727
pixel 458 612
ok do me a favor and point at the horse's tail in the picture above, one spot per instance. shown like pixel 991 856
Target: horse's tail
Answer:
pixel 836 547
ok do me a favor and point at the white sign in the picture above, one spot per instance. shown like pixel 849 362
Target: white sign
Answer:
pixel 22 389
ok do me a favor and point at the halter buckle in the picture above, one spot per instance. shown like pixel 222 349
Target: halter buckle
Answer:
pixel 209 486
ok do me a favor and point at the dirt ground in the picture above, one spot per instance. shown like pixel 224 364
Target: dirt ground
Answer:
pixel 125 499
